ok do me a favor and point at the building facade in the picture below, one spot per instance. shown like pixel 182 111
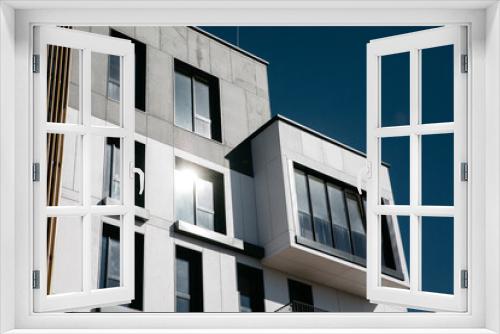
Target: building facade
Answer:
pixel 240 211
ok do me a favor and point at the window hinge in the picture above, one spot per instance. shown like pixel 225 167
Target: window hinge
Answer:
pixel 465 63
pixel 465 279
pixel 464 167
pixel 36 172
pixel 36 279
pixel 36 63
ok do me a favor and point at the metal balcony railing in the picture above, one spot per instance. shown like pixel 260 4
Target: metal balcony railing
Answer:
pixel 296 306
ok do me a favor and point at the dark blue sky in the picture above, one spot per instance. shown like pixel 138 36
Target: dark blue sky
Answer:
pixel 317 77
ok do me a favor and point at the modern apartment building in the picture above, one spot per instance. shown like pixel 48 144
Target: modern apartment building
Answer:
pixel 240 212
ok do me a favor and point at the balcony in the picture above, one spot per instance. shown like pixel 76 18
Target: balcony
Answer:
pixel 296 306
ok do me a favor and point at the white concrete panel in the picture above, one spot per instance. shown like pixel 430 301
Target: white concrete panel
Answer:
pixel 148 35
pixel 238 220
pixel 97 165
pixel 276 188
pixel 243 69
pixel 220 60
pixel 174 42
pixel 68 163
pixel 276 289
pixel 290 138
pixel 312 147
pixel 263 208
pixel 159 270
pixel 229 283
pixel 247 188
pixel 160 87
pixel 159 179
pixel 353 163
pixel 332 155
pixel 212 290
pixel 198 50
pixel 350 303
pixel 325 298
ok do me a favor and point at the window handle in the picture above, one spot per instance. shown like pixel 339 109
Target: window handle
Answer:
pixel 139 171
pixel 367 170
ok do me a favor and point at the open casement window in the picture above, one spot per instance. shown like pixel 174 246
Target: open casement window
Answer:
pixel 417 46
pixel 68 133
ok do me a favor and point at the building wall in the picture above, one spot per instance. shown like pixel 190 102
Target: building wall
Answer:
pixel 256 208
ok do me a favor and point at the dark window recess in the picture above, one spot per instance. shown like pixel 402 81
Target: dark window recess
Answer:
pixel 112 173
pixel 197 101
pixel 251 288
pixel 199 196
pixel 140 162
pixel 188 281
pixel 140 73
pixel 332 219
pixel 110 263
pixel 301 296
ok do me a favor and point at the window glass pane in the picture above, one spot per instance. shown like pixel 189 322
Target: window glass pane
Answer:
pixel 337 206
pixel 182 276
pixel 245 305
pixel 106 170
pixel 202 127
pixel 305 226
pixel 301 188
pixel 184 196
pixel 205 219
pixel 183 102
pixel 322 226
pixel 205 195
pixel 106 251
pixel 389 266
pixel 342 239
pixel 201 93
pixel 113 263
pixel 358 233
pixel 114 78
pixel 182 304
pixel 116 173
pixel 395 92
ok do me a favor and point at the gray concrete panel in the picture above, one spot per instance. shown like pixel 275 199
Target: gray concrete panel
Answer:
pixel 113 112
pixel 220 58
pixel 99 77
pixel 234 116
pixel 198 51
pixel 160 89
pixel 148 35
pixel 98 105
pixel 243 70
pixel 174 41
pixel 129 31
pixel 100 30
pixel 141 122
pixel 261 80
pixel 202 147
pixel 258 111
pixel 160 130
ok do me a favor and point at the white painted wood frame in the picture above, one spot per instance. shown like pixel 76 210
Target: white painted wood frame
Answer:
pixel 85 44
pixel 414 43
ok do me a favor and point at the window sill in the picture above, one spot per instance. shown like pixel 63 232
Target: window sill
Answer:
pixel 218 239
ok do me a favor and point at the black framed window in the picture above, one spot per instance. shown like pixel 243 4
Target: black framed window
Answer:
pixel 112 172
pixel 197 101
pixel 140 73
pixel 251 288
pixel 188 281
pixel 199 196
pixel 110 263
pixel 301 296
pixel 332 219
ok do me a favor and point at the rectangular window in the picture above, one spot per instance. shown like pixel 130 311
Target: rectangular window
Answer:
pixel 140 73
pixel 301 296
pixel 331 216
pixel 188 281
pixel 140 162
pixel 197 101
pixel 251 288
pixel 199 196
pixel 110 263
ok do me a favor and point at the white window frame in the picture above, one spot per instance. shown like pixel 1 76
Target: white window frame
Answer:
pixel 483 20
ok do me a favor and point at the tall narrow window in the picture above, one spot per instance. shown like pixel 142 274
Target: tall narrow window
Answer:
pixel 251 288
pixel 140 162
pixel 303 205
pixel 188 281
pixel 340 224
pixel 301 296
pixel 358 231
pixel 197 101
pixel 322 227
pixel 199 196
pixel 112 173
pixel 140 73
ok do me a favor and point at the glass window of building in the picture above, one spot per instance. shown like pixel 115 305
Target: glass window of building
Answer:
pixel 199 196
pixel 251 288
pixel 188 281
pixel 331 219
pixel 197 101
pixel 140 73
